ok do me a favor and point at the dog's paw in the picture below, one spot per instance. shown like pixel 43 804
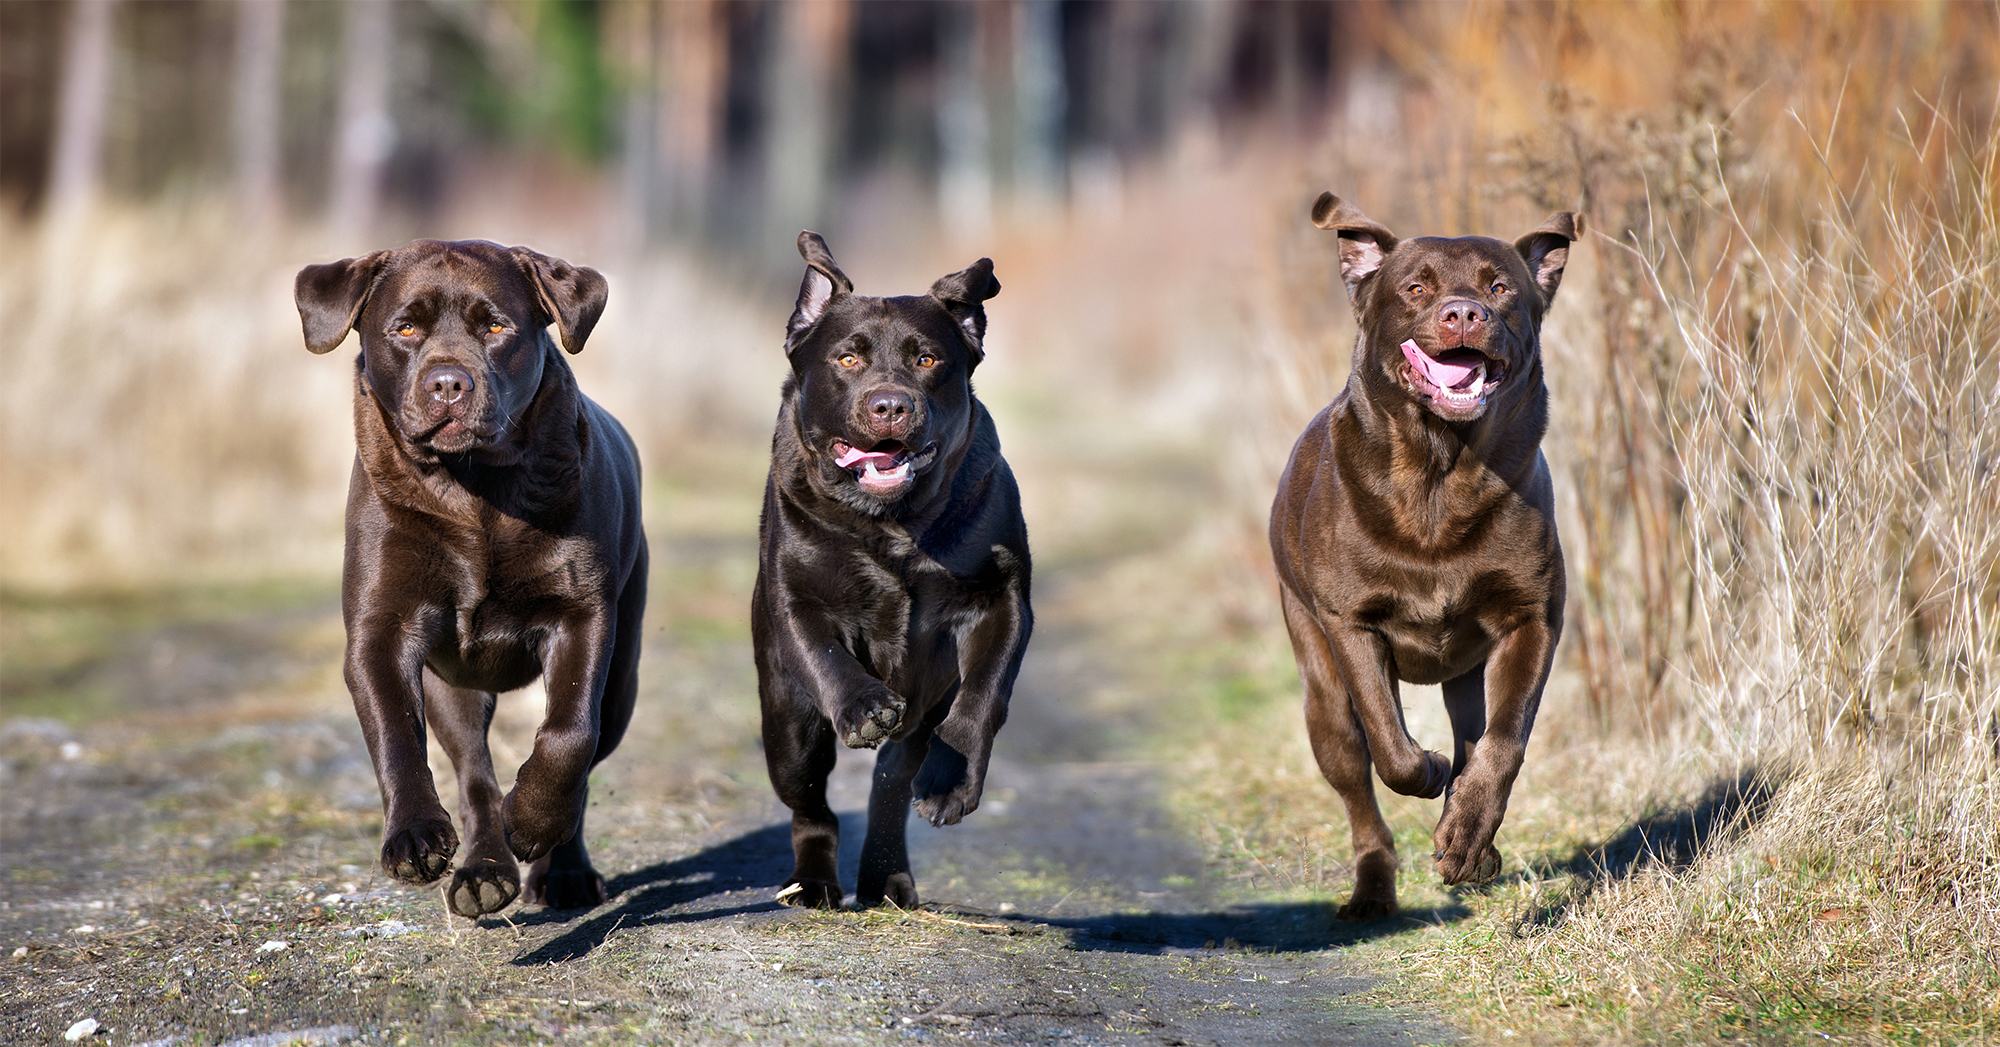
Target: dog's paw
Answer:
pixel 943 770
pixel 485 886
pixel 949 808
pixel 421 851
pixel 1464 840
pixel 564 887
pixel 870 717
pixel 900 890
pixel 1374 896
pixel 536 826
pixel 1362 910
pixel 811 894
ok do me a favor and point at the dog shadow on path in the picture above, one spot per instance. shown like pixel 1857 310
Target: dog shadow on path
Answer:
pixel 1282 928
pixel 1670 839
pixel 759 859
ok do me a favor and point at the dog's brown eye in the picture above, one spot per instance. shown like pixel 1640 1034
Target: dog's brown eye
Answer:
pixel 495 327
pixel 1499 288
pixel 927 360
pixel 406 330
pixel 848 360
pixel 1415 289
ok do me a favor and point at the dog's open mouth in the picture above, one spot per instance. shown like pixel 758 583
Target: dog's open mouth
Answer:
pixel 886 469
pixel 1460 378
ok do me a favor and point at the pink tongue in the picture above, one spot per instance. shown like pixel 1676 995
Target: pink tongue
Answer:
pixel 1437 372
pixel 856 454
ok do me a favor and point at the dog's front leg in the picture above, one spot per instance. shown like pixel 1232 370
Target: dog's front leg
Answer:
pixel 863 710
pixel 384 668
pixel 546 803
pixel 1516 671
pixel 990 645
pixel 1365 665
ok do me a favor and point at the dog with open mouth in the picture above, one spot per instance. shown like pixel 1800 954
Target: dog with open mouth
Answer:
pixel 891 604
pixel 1414 535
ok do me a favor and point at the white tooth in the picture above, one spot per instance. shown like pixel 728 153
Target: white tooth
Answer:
pixel 869 469
pixel 1478 379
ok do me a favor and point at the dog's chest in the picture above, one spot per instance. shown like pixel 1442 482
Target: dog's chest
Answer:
pixel 903 617
pixel 507 596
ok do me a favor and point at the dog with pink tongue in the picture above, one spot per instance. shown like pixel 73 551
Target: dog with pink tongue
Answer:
pixel 891 604
pixel 1415 540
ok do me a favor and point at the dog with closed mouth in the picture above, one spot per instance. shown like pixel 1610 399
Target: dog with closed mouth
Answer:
pixel 891 603
pixel 493 537
pixel 1415 539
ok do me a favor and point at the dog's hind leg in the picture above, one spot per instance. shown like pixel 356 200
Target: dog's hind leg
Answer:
pixel 1341 747
pixel 799 752
pixel 1465 703
pixel 486 879
pixel 885 855
pixel 564 878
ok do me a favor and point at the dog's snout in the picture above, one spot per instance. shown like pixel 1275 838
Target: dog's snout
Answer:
pixel 1462 319
pixel 448 384
pixel 889 411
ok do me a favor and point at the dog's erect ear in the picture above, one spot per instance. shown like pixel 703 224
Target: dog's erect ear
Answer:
pixel 961 294
pixel 571 296
pixel 1363 240
pixel 824 280
pixel 1547 249
pixel 330 298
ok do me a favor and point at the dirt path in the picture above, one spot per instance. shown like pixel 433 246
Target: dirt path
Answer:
pixel 214 798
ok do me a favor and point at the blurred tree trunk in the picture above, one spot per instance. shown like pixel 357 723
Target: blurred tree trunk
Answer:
pixel 800 89
pixel 260 46
pixel 77 162
pixel 1041 100
pixel 964 126
pixel 366 134
pixel 695 52
pixel 633 38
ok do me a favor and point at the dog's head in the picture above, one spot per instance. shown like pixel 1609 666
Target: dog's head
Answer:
pixel 882 387
pixel 454 336
pixel 1453 324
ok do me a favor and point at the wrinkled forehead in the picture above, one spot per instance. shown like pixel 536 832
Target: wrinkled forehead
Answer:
pixel 461 273
pixel 1465 258
pixel 889 319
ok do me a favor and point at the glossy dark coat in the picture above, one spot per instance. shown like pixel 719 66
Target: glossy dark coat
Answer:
pixel 1415 538
pixel 893 618
pixel 493 537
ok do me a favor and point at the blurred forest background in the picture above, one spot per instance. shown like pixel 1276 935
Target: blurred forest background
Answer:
pixel 1775 367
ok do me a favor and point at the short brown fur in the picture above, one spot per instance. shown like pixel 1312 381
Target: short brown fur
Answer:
pixel 1414 536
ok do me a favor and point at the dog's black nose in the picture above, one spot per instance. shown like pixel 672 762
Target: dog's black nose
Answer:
pixel 448 384
pixel 889 411
pixel 1462 319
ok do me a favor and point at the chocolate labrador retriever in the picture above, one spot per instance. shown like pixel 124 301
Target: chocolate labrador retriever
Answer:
pixel 1415 538
pixel 891 605
pixel 492 538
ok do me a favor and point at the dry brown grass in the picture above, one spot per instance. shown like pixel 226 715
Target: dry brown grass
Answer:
pixel 1778 460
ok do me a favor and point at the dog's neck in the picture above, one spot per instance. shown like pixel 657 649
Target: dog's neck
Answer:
pixel 539 488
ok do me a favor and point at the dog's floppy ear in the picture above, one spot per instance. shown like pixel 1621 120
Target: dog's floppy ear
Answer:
pixel 572 296
pixel 330 298
pixel 961 294
pixel 823 281
pixel 1363 241
pixel 1547 249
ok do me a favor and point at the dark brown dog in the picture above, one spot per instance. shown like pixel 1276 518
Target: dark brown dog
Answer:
pixel 492 537
pixel 891 605
pixel 1415 538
